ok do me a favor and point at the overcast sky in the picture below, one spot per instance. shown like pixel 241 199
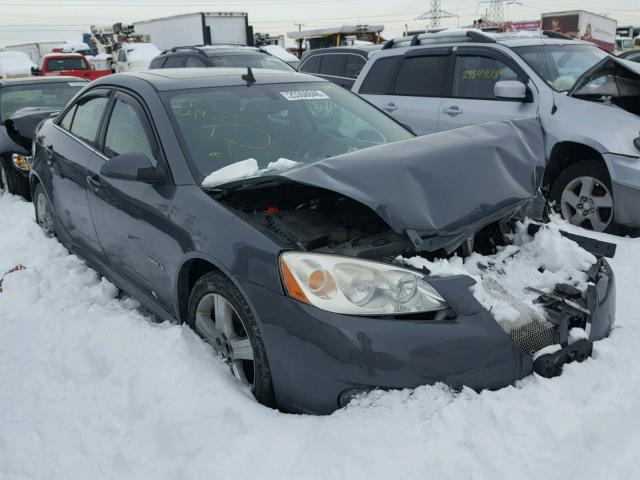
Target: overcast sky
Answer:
pixel 33 20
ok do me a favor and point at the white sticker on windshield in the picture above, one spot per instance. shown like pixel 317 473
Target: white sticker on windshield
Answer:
pixel 294 95
pixel 77 84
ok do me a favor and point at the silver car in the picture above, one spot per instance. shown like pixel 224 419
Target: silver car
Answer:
pixel 587 100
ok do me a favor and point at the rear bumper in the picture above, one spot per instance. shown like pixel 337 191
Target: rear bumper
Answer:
pixel 317 358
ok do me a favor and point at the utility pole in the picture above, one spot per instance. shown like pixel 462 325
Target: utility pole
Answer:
pixel 299 25
pixel 435 14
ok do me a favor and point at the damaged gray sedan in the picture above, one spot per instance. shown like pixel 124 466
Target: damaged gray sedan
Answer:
pixel 318 246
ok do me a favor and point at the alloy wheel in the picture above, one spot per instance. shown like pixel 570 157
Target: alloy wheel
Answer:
pixel 44 216
pixel 587 202
pixel 218 323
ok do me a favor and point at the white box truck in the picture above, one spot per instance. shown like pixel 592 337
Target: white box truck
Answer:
pixel 583 25
pixel 197 29
pixel 35 50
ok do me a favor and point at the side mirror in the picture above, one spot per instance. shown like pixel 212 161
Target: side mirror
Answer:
pixel 510 90
pixel 35 71
pixel 133 166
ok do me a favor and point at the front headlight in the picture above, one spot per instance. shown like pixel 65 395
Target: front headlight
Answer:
pixel 352 286
pixel 23 162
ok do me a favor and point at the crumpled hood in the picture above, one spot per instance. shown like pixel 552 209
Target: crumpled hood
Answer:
pixel 622 79
pixel 21 125
pixel 437 188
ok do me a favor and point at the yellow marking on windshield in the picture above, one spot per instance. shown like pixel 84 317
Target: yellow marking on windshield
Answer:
pixel 485 74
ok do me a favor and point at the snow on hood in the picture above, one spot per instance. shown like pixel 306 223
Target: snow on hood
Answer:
pixel 540 262
pixel 245 169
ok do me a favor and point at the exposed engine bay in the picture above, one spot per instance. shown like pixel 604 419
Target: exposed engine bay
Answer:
pixel 315 219
pixel 610 83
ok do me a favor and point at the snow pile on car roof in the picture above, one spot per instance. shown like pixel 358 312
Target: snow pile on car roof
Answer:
pixel 541 262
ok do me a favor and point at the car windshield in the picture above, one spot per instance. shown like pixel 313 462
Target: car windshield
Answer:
pixel 51 95
pixel 561 65
pixel 253 60
pixel 290 122
pixel 72 63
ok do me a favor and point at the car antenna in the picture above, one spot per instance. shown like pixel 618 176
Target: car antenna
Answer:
pixel 248 77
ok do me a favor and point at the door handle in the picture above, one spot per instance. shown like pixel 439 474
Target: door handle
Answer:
pixel 453 111
pixel 94 182
pixel 390 107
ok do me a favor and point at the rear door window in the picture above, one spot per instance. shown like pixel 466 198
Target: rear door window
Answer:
pixel 88 115
pixel 423 77
pixel 353 66
pixel 312 65
pixel 333 64
pixel 175 61
pixel 475 76
pixel 380 75
pixel 194 62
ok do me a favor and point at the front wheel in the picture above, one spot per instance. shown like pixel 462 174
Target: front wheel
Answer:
pixel 44 212
pixel 582 194
pixel 220 315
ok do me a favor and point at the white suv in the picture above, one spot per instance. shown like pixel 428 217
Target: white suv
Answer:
pixel 587 100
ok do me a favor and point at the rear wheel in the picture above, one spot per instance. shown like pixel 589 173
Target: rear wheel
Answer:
pixel 220 315
pixel 582 194
pixel 44 212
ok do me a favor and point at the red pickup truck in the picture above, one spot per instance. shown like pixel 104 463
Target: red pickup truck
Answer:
pixel 68 65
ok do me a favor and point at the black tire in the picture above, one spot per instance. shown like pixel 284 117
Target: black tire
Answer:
pixel 215 282
pixel 584 168
pixel 16 184
pixel 44 213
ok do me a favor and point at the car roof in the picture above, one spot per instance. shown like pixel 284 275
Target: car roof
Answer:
pixel 63 54
pixel 510 43
pixel 363 49
pixel 208 49
pixel 471 37
pixel 35 80
pixel 168 79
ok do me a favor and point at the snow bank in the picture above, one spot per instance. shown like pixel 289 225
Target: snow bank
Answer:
pixel 91 388
pixel 244 169
pixel 540 262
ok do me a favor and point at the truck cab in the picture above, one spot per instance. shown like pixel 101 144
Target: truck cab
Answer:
pixel 68 65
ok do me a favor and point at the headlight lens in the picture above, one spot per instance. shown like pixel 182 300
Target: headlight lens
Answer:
pixel 23 162
pixel 352 286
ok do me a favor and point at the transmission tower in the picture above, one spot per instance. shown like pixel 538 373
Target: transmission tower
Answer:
pixel 496 10
pixel 435 14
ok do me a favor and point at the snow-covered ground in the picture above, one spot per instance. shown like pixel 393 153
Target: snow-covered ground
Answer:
pixel 90 388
